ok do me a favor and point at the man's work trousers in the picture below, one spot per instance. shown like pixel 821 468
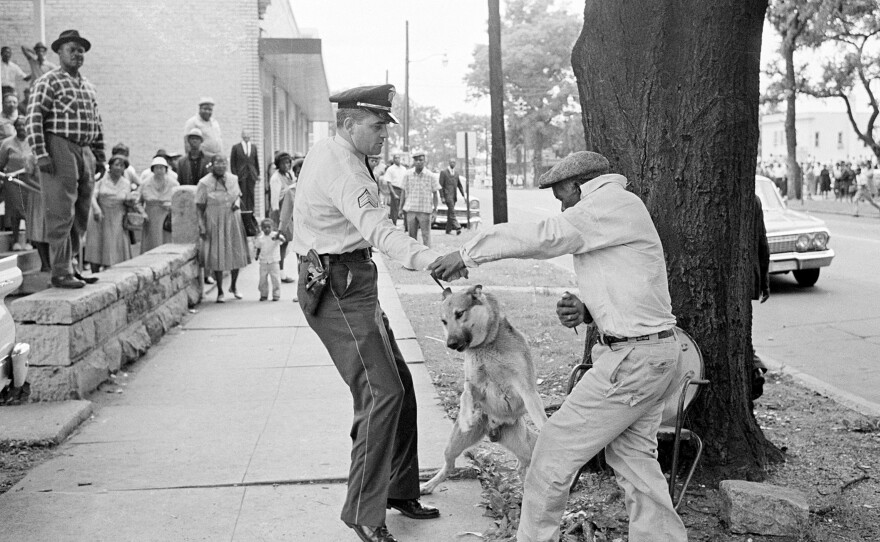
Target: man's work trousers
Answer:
pixel 356 333
pixel 395 203
pixel 617 405
pixel 67 197
pixel 451 221
pixel 419 221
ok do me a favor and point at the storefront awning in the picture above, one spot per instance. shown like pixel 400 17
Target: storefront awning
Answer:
pixel 299 67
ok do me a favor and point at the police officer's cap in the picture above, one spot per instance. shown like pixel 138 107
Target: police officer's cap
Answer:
pixel 583 166
pixel 375 99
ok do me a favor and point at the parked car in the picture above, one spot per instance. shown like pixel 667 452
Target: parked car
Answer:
pixel 798 242
pixel 13 355
pixel 461 213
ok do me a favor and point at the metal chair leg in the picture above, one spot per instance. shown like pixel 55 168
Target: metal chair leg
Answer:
pixel 687 481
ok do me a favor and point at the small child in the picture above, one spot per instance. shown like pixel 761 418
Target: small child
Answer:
pixel 269 255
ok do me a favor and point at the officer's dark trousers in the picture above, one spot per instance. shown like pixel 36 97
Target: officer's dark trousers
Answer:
pixel 355 331
pixel 67 198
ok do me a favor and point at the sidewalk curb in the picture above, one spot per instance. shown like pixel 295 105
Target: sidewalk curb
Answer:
pixel 844 398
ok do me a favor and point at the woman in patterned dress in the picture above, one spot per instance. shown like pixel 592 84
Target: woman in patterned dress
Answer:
pixel 155 195
pixel 107 242
pixel 220 225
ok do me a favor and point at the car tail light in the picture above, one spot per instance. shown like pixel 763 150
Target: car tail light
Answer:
pixel 475 204
pixel 803 243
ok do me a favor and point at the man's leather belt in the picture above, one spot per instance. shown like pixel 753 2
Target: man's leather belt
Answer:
pixel 359 255
pixel 609 340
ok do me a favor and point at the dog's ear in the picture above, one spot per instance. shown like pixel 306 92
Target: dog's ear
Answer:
pixel 476 292
pixel 447 292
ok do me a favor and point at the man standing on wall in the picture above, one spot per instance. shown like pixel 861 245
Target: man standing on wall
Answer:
pixel 212 141
pixel 65 131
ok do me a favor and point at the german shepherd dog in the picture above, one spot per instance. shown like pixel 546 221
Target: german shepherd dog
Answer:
pixel 499 380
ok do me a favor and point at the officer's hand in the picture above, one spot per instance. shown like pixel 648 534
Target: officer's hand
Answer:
pixel 449 267
pixel 100 169
pixel 46 165
pixel 99 216
pixel 765 294
pixel 570 310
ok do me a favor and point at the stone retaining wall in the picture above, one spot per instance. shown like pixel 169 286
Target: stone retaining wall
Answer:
pixel 79 337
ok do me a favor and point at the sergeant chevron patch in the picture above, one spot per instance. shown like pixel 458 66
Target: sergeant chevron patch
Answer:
pixel 366 199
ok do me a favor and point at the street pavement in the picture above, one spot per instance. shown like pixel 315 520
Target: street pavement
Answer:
pixel 235 427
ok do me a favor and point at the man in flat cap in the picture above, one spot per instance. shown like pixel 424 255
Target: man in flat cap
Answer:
pixel 193 165
pixel 617 405
pixel 65 131
pixel 212 140
pixel 337 221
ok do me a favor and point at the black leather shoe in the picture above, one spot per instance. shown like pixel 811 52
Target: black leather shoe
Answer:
pixel 412 508
pixel 87 280
pixel 66 282
pixel 372 534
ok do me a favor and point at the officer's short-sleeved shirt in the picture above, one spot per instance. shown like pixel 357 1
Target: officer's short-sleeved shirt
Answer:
pixel 337 208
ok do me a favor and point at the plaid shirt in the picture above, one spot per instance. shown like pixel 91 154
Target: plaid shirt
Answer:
pixel 419 190
pixel 67 107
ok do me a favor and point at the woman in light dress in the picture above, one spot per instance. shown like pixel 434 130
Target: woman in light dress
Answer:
pixel 225 244
pixel 155 195
pixel 107 242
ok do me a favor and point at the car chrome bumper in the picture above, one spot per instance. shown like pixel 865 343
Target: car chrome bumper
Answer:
pixel 793 261
pixel 15 366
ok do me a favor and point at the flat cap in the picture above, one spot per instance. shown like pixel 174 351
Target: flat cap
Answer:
pixel 206 100
pixel 375 99
pixel 417 152
pixel 195 132
pixel 582 165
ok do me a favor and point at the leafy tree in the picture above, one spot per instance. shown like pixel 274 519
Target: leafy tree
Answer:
pixel 799 23
pixel 670 91
pixel 536 40
pixel 854 27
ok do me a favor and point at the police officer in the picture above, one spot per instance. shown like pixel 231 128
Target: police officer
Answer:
pixel 337 214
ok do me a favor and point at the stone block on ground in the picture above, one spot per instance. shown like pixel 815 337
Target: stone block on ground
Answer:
pixel 40 422
pixel 184 219
pixel 764 509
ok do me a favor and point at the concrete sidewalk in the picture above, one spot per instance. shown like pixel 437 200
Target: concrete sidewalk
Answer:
pixel 234 428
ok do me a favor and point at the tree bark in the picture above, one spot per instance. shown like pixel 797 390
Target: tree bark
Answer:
pixel 795 177
pixel 669 92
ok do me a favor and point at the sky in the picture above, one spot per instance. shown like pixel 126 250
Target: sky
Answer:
pixel 362 40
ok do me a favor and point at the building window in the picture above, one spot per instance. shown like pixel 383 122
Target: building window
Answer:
pixel 816 144
pixel 839 140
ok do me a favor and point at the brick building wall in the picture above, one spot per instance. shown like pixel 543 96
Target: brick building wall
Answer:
pixel 152 61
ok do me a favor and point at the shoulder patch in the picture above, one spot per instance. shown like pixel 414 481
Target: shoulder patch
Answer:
pixel 367 199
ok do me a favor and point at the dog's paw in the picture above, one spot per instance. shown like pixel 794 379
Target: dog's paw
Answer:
pixel 426 489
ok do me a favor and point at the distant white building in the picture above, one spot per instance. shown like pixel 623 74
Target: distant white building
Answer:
pixel 824 132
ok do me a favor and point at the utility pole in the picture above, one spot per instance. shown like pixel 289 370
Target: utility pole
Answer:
pixel 406 96
pixel 496 94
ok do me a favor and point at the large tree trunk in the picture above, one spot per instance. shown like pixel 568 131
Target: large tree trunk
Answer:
pixel 795 176
pixel 669 91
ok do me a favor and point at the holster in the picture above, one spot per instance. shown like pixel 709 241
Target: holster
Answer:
pixel 315 283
